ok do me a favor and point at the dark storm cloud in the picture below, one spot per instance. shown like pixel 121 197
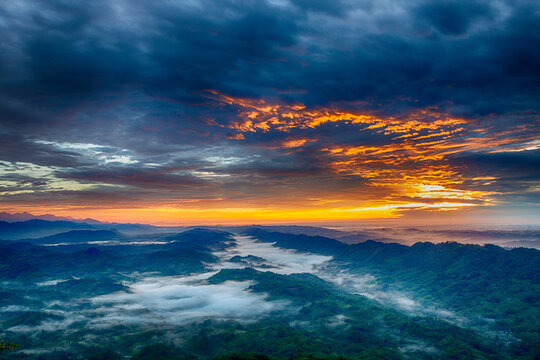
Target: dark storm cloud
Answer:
pixel 172 50
pixel 334 8
pixel 62 53
pixel 453 17
pixel 516 162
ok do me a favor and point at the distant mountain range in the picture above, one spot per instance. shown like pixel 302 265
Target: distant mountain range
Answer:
pixel 37 228
pixel 23 216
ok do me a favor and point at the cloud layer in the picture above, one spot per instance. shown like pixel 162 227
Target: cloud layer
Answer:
pixel 218 106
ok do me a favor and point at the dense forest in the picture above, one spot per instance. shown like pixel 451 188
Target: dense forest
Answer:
pixel 256 294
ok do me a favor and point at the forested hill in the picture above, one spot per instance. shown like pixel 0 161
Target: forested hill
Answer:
pixel 487 281
pixel 94 294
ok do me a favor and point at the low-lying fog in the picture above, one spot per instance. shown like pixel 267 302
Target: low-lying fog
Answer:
pixel 181 299
pixel 178 300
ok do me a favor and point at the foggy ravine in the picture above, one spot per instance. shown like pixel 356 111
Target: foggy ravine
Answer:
pixel 183 299
pixel 242 285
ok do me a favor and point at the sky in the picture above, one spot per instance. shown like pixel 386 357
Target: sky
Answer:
pixel 272 111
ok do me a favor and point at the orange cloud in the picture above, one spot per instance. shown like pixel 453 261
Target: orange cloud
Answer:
pixel 412 164
pixel 294 143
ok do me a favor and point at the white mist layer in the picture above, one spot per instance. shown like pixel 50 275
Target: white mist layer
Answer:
pixel 278 260
pixel 51 282
pixel 367 285
pixel 182 299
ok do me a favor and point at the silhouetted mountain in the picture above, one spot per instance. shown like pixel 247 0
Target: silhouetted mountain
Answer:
pixel 18 260
pixel 89 286
pixel 93 256
pixel 314 244
pixel 174 261
pixel 21 260
pixel 187 253
pixel 202 239
pixel 23 216
pixel 78 236
pixel 303 230
pixel 297 287
pixel 37 228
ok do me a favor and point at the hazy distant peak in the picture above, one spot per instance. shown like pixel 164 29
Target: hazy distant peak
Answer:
pixel 23 216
